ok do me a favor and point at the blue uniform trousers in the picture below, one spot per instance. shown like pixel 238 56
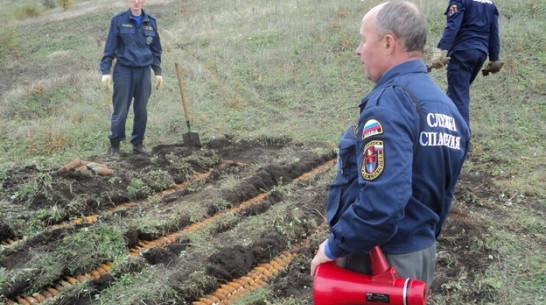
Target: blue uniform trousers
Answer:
pixel 461 72
pixel 419 265
pixel 130 83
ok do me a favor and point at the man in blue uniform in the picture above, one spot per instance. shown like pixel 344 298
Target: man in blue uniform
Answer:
pixel 134 42
pixel 470 34
pixel 398 165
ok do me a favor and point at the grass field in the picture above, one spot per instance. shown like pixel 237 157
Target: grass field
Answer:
pixel 255 69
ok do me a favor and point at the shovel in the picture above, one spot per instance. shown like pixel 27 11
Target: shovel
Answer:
pixel 191 138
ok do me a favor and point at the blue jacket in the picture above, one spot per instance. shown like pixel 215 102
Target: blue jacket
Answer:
pixel 132 45
pixel 396 173
pixel 471 25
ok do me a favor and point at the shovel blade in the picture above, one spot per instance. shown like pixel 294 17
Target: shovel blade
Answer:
pixel 191 138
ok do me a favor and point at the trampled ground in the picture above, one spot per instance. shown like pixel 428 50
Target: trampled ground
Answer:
pixel 231 221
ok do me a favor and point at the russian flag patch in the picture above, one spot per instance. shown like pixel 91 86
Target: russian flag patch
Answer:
pixel 371 128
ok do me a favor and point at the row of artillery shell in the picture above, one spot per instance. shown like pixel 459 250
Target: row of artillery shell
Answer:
pixel 51 292
pixel 257 277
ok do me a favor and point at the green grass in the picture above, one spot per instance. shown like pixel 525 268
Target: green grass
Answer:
pixel 255 68
pixel 97 245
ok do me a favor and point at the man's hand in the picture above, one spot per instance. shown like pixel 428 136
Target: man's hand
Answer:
pixel 106 80
pixel 492 67
pixel 158 82
pixel 439 59
pixel 319 258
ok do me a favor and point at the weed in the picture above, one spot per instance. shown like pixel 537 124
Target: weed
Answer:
pixel 158 180
pixel 257 296
pixel 50 3
pixel 198 283
pixel 28 10
pixel 34 189
pixel 9 45
pixel 137 188
pixel 66 4
pixel 136 288
pixel 88 248
pixel 76 205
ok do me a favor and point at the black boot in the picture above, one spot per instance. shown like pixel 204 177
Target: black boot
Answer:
pixel 114 149
pixel 138 148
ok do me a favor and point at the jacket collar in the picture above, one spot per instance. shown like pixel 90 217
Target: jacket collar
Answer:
pixel 145 18
pixel 410 66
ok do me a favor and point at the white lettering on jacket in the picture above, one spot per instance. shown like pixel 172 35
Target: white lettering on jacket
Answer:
pixel 484 1
pixel 439 138
pixel 441 120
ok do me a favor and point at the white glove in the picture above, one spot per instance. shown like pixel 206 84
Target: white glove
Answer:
pixel 158 82
pixel 106 80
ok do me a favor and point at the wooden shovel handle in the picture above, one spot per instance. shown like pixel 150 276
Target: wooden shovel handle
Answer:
pixel 182 92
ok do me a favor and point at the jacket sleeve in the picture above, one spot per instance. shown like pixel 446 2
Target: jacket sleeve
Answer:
pixel 454 15
pixel 494 39
pixel 157 50
pixel 372 219
pixel 110 48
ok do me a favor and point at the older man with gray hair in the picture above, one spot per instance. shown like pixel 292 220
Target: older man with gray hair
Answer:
pixel 399 164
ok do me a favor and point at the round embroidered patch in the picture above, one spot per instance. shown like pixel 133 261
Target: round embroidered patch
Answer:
pixel 373 161
pixel 371 128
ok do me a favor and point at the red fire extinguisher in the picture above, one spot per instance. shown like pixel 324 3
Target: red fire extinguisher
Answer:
pixel 334 285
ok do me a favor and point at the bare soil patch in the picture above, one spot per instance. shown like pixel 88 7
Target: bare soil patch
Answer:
pixel 178 176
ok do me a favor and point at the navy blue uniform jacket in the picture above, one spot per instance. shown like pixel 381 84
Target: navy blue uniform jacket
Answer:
pixel 132 45
pixel 396 179
pixel 471 25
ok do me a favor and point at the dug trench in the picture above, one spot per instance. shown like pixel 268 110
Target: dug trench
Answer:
pixel 194 178
pixel 200 217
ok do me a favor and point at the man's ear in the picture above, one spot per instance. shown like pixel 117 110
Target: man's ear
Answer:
pixel 389 43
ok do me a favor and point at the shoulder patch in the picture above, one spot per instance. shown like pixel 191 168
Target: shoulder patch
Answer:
pixel 373 161
pixel 371 128
pixel 452 9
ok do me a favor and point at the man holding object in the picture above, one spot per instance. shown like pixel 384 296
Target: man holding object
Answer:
pixel 398 165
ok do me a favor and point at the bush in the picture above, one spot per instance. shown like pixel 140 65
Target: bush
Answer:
pixel 28 10
pixel 50 4
pixel 8 46
pixel 66 4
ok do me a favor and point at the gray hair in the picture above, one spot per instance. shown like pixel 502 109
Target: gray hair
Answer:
pixel 405 21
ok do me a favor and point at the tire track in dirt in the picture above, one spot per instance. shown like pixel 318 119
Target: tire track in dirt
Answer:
pixel 165 240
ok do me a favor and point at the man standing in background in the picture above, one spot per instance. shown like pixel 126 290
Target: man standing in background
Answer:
pixel 471 33
pixel 133 40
